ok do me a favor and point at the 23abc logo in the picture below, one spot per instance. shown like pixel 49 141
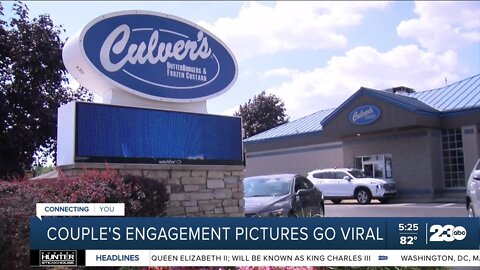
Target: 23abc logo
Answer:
pixel 447 233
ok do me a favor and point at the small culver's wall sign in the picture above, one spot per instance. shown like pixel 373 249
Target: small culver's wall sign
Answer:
pixel 364 115
pixel 152 55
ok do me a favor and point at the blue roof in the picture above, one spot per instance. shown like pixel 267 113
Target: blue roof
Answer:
pixel 306 124
pixel 462 95
pixel 407 102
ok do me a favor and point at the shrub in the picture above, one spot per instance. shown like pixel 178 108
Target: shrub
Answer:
pixel 142 197
pixel 152 197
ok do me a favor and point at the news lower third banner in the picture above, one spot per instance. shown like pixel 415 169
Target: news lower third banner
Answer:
pixel 129 241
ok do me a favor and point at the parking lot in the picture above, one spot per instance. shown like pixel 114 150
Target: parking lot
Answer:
pixel 351 209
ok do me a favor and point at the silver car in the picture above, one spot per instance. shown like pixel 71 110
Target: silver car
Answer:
pixel 473 192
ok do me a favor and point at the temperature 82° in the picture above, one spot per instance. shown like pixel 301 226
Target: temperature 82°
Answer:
pixel 408 239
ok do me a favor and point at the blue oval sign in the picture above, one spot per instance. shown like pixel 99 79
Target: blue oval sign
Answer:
pixel 364 115
pixel 159 56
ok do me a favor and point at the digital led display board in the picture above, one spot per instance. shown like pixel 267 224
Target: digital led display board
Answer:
pixel 117 134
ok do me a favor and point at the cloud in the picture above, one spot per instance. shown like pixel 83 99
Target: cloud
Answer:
pixel 266 29
pixel 281 72
pixel 443 26
pixel 328 87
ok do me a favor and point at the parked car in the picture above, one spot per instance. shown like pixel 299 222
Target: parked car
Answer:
pixel 285 195
pixel 343 183
pixel 473 192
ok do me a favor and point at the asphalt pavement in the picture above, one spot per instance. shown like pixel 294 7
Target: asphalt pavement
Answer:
pixel 350 208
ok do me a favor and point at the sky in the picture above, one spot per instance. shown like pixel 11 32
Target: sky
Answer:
pixel 314 55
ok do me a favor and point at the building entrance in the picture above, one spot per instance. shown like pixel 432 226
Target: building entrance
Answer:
pixel 375 166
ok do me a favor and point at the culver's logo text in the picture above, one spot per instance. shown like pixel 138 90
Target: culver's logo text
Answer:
pixel 152 52
pixel 157 56
pixel 364 115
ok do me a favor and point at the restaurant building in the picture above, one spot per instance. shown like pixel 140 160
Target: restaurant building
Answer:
pixel 427 141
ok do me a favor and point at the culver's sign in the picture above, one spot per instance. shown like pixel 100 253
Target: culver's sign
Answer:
pixel 154 55
pixel 364 115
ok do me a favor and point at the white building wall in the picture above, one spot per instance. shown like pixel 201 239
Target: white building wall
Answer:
pixel 295 160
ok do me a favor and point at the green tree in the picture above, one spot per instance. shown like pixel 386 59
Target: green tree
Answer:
pixel 262 113
pixel 33 84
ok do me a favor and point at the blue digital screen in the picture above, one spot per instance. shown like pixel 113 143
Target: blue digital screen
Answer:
pixel 107 133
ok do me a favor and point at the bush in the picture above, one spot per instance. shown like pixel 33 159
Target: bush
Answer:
pixel 152 197
pixel 142 197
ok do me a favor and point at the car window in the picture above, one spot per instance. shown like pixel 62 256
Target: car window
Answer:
pixel 319 175
pixel 308 183
pixel 302 183
pixel 264 187
pixel 340 174
pixel 329 175
pixel 478 166
pixel 357 173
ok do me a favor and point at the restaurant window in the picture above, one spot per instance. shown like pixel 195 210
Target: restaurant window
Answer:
pixel 453 161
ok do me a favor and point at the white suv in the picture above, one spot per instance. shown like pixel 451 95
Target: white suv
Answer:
pixel 339 184
pixel 473 192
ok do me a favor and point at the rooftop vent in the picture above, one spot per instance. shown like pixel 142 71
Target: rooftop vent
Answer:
pixel 400 90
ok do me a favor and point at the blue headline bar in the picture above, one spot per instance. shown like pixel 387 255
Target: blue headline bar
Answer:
pixel 254 233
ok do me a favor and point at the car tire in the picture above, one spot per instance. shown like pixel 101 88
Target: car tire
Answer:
pixel 321 210
pixel 363 196
pixel 384 200
pixel 336 201
pixel 471 213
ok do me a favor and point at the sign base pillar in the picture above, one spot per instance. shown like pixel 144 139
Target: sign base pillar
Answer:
pixel 194 191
